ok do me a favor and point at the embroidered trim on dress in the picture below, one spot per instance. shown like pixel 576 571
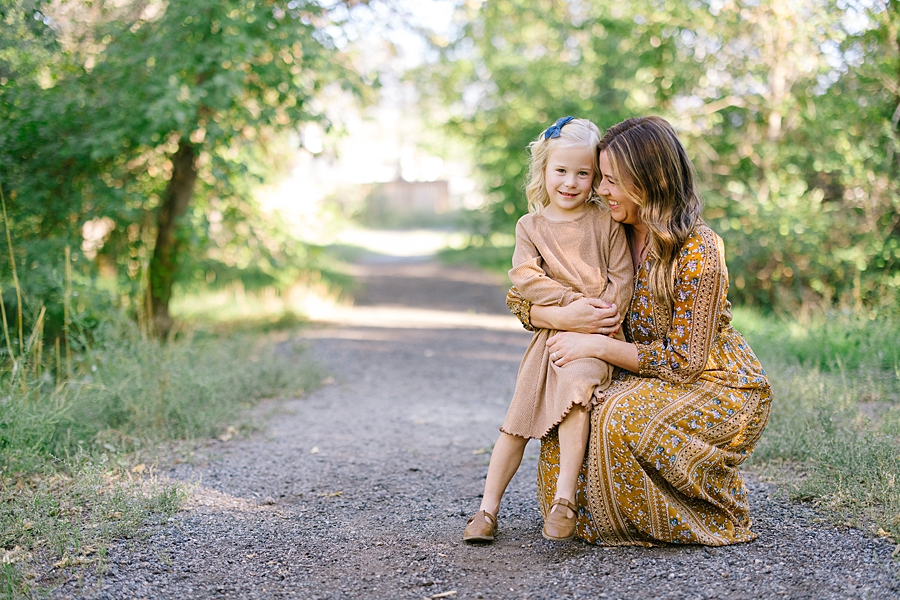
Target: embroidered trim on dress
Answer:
pixel 519 307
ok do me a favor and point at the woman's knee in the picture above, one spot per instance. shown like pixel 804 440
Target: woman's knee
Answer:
pixel 612 420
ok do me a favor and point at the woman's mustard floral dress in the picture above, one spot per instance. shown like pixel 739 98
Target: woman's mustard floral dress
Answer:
pixel 665 444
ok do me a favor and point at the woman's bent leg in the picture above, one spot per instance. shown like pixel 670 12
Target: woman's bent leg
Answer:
pixel 505 460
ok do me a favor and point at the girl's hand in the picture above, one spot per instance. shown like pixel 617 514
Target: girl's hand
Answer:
pixel 585 315
pixel 607 318
pixel 567 346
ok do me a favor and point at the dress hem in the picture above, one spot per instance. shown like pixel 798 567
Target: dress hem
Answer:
pixel 589 404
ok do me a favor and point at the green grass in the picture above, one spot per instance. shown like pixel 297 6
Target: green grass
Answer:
pixel 832 342
pixel 834 433
pixel 76 455
pixel 67 517
pixel 232 309
pixel 128 392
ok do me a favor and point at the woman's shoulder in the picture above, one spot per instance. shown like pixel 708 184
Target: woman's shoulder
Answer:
pixel 702 233
pixel 703 252
pixel 702 241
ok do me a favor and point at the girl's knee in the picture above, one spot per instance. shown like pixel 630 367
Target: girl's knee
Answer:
pixel 511 440
pixel 578 415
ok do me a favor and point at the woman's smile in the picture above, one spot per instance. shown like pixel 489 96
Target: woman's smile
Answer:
pixel 622 208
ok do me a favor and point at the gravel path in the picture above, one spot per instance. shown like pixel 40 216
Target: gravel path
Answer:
pixel 362 489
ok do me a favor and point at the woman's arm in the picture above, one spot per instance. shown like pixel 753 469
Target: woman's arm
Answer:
pixel 701 282
pixel 586 315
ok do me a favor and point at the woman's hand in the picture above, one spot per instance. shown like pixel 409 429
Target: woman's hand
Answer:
pixel 585 315
pixel 567 346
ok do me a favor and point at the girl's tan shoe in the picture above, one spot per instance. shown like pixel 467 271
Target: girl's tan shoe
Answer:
pixel 481 528
pixel 557 526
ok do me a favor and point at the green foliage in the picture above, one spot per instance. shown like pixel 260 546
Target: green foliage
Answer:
pixel 515 67
pixel 96 98
pixel 836 342
pixel 25 43
pixel 788 110
pixel 805 194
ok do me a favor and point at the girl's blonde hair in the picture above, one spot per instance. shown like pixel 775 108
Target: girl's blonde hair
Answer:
pixel 653 170
pixel 577 132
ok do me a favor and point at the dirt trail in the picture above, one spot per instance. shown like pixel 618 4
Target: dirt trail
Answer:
pixel 362 488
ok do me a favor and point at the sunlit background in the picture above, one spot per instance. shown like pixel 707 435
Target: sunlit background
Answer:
pixel 386 142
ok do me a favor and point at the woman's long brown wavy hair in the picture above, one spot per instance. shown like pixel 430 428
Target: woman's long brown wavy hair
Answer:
pixel 653 169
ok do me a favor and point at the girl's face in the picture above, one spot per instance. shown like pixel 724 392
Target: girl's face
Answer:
pixel 568 176
pixel 623 209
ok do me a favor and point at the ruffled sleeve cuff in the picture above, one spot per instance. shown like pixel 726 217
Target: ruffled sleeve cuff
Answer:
pixel 520 307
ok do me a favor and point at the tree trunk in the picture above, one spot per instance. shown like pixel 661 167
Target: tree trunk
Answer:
pixel 164 263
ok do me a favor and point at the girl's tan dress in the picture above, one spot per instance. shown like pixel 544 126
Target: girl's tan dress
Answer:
pixel 556 263
pixel 665 443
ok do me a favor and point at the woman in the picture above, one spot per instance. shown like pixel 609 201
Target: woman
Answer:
pixel 691 399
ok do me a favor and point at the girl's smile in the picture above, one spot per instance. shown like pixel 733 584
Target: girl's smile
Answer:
pixel 568 176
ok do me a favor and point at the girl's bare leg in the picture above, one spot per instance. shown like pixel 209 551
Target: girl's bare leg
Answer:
pixel 505 460
pixel 573 437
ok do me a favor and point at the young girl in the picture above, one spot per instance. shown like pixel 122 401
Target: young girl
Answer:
pixel 568 247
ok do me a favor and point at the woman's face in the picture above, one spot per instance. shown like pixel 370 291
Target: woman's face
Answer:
pixel 623 209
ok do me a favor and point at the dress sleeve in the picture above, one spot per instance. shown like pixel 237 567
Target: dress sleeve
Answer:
pixel 700 281
pixel 529 277
pixel 519 307
pixel 620 271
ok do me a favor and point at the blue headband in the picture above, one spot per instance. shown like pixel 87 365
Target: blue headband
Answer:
pixel 554 130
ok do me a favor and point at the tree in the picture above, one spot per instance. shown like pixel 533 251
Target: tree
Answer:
pixel 166 102
pixel 515 67
pixel 210 75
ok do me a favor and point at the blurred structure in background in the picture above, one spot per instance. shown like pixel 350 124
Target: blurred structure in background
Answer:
pixel 386 165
